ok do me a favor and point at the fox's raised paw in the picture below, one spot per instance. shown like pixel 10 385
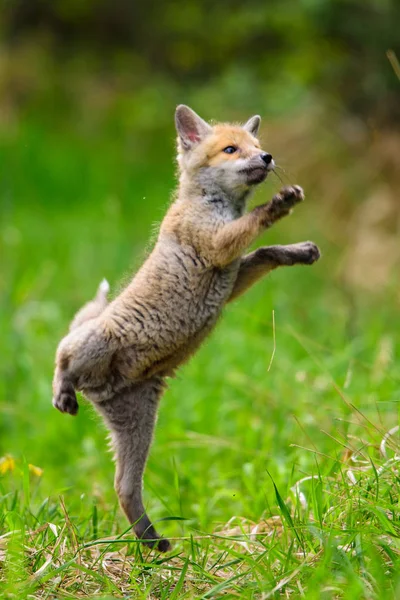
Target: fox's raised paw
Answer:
pixel 307 253
pixel 65 401
pixel 288 197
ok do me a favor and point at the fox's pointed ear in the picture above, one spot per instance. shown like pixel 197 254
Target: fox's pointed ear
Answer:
pixel 190 127
pixel 253 125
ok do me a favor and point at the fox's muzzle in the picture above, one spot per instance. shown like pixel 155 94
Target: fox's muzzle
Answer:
pixel 258 167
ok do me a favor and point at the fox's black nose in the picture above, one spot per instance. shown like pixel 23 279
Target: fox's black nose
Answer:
pixel 267 158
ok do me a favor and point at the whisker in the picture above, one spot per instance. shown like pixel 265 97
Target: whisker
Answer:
pixel 278 176
pixel 288 175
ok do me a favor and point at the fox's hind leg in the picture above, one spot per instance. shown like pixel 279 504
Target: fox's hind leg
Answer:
pixel 64 396
pixel 131 416
pixel 78 348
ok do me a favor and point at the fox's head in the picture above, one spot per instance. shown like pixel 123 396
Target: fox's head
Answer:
pixel 224 156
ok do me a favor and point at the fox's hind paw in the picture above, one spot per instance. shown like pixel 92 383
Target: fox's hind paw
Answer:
pixel 65 400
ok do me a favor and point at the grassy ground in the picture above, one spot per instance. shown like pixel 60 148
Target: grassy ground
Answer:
pixel 275 463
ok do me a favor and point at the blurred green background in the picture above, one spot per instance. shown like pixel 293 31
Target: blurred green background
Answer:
pixel 87 97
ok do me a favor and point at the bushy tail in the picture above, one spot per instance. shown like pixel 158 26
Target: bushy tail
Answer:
pixel 94 308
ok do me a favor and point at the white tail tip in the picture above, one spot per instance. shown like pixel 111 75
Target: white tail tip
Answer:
pixel 104 287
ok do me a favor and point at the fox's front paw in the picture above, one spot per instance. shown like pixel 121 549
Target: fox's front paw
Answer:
pixel 287 198
pixel 280 205
pixel 65 400
pixel 307 253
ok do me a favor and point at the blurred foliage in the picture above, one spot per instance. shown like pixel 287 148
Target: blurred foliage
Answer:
pixel 254 55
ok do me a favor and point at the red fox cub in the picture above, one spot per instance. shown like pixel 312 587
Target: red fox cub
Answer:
pixel 119 354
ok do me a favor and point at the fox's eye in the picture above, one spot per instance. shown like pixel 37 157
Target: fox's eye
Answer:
pixel 229 149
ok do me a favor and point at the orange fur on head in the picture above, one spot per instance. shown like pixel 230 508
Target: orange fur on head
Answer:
pixel 224 135
pixel 230 135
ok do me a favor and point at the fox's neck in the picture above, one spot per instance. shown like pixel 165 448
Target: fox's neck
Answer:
pixel 211 193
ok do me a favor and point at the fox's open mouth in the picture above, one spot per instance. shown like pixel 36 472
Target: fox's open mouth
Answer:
pixel 256 174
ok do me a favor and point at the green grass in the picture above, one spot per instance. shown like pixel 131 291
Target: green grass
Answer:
pixel 267 470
